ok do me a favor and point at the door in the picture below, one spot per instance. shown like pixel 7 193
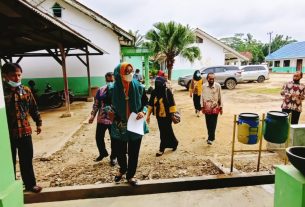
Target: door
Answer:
pixel 299 64
pixel 247 73
pixel 220 74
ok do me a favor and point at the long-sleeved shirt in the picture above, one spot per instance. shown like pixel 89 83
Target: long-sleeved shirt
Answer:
pixel 163 106
pixel 196 87
pixel 211 98
pixel 20 104
pixel 293 94
pixel 102 105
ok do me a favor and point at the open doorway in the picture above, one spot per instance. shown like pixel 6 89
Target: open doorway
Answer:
pixel 299 64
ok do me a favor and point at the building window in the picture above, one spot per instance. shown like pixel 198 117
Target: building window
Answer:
pixel 277 63
pixel 57 10
pixel 199 39
pixel 286 63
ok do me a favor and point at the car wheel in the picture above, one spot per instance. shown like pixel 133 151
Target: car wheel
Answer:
pixel 188 85
pixel 260 79
pixel 230 84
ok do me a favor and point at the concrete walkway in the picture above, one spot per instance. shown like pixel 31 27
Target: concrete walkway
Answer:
pixel 251 196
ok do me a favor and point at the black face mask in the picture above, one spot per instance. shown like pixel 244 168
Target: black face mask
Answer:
pixel 211 83
pixel 296 81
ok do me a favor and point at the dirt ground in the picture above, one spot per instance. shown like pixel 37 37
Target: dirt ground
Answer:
pixel 73 141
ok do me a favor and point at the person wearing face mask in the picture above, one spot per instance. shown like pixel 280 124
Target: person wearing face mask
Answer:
pixel 20 104
pixel 211 103
pixel 162 105
pixel 195 90
pixel 128 96
pixel 101 106
pixel 293 94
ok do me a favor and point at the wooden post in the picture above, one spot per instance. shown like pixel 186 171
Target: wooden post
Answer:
pixel 88 73
pixel 260 143
pixel 233 142
pixel 288 137
pixel 66 87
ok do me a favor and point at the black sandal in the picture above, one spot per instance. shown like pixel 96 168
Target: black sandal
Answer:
pixel 118 178
pixel 158 154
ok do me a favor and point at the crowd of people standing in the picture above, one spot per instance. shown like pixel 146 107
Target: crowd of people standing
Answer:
pixel 122 95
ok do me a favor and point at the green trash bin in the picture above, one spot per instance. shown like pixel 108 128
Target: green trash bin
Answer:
pixel 276 127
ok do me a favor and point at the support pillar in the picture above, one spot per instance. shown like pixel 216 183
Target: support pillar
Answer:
pixel 147 82
pixel 11 192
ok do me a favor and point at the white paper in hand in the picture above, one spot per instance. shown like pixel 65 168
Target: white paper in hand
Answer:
pixel 134 125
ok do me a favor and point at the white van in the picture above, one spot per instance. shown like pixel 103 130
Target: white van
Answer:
pixel 258 73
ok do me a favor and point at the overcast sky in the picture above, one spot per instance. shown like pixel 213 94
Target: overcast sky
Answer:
pixel 219 18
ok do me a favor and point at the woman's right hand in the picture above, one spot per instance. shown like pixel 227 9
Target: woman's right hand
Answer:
pixel 91 119
pixel 148 119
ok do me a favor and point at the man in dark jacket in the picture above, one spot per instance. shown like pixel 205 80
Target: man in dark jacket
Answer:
pixel 20 104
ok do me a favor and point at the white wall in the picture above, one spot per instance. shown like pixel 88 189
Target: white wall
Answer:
pixel 83 24
pixel 211 54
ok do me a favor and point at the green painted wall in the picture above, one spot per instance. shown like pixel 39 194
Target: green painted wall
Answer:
pixel 289 187
pixel 181 72
pixel 11 194
pixel 135 61
pixel 286 69
pixel 79 85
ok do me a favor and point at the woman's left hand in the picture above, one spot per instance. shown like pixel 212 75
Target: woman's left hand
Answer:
pixel 140 115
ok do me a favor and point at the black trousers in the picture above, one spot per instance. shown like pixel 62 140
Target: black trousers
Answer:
pixel 100 140
pixel 24 147
pixel 196 101
pixel 211 122
pixel 129 164
pixel 167 136
pixel 295 115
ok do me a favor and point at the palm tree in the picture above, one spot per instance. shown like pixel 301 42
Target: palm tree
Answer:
pixel 172 39
pixel 138 38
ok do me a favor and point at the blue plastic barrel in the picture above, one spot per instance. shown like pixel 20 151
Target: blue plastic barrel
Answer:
pixel 248 128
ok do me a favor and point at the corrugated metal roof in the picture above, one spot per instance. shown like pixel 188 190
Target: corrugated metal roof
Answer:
pixel 61 25
pixel 292 50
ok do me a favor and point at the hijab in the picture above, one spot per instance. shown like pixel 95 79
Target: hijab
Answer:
pixel 197 75
pixel 160 87
pixel 122 91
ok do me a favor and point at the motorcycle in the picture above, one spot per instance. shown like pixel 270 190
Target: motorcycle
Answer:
pixel 50 99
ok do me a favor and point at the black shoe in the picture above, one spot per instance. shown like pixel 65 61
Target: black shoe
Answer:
pixel 118 178
pixel 34 189
pixel 160 153
pixel 132 182
pixel 175 148
pixel 101 157
pixel 209 142
pixel 112 162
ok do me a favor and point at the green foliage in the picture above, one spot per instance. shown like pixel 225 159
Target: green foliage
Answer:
pixel 139 40
pixel 278 42
pixel 172 39
pixel 246 43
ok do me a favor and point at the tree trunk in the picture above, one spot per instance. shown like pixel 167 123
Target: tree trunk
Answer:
pixel 169 64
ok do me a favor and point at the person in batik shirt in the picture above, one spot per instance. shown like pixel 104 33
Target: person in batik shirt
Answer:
pixel 293 94
pixel 211 103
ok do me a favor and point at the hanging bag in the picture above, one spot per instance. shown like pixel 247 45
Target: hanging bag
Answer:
pixel 176 116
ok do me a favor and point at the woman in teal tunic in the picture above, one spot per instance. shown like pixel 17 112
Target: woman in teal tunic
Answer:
pixel 128 96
